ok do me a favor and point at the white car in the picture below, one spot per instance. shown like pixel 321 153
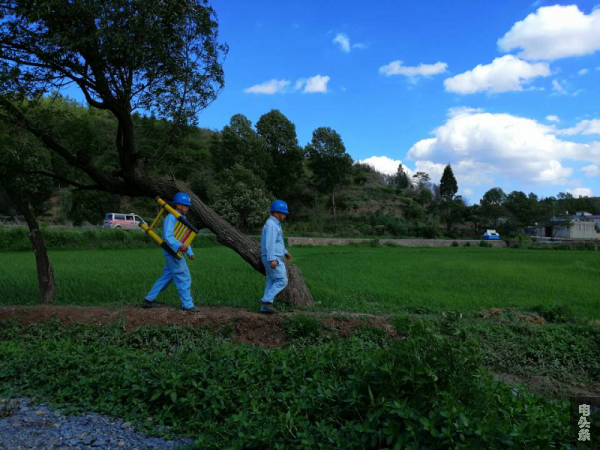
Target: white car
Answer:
pixel 123 221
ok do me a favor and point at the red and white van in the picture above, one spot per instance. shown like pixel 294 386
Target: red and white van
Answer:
pixel 124 221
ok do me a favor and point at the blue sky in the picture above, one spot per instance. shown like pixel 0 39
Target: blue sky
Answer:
pixel 506 92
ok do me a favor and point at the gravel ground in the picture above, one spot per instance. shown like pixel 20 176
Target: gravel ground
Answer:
pixel 26 427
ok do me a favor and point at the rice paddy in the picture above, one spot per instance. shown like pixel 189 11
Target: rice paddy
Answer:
pixel 381 280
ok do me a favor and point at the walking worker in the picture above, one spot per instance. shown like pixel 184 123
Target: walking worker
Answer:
pixel 272 250
pixel 176 270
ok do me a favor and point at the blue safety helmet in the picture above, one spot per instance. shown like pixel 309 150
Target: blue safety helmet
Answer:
pixel 182 198
pixel 279 206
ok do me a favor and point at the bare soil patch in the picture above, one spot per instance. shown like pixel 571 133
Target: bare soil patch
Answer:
pixel 248 327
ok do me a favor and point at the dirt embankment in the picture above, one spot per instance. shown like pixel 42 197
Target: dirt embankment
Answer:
pixel 248 327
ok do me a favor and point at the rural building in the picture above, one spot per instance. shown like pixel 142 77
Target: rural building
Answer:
pixel 581 225
pixel 588 216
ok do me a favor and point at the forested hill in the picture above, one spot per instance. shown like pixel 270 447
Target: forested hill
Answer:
pixel 240 169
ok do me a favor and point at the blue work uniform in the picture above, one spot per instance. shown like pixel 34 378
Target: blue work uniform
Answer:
pixel 272 248
pixel 175 270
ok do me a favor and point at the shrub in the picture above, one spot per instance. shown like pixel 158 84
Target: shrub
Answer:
pixel 302 327
pixel 427 391
pixel 555 314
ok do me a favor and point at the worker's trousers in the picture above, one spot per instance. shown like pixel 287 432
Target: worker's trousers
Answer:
pixel 176 270
pixel 276 279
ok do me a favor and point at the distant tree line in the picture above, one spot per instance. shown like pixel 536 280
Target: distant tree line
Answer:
pixel 240 169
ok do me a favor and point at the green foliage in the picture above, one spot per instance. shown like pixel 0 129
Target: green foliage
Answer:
pixel 328 160
pixel 524 241
pixel 91 207
pixel 427 391
pixel 401 180
pixel 20 155
pixel 241 198
pixel 566 352
pixel 448 184
pixel 429 229
pixel 302 327
pixel 128 40
pixel 239 145
pixel 555 314
pixel 279 136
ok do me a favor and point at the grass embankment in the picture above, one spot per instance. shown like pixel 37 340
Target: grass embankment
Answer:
pixel 15 239
pixel 376 280
pixel 427 391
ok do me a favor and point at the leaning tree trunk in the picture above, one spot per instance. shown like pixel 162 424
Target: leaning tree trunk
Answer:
pixel 45 271
pixel 296 292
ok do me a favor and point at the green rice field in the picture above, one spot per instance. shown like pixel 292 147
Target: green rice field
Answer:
pixel 381 279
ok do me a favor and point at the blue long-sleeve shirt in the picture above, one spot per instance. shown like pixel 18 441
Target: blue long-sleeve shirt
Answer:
pixel 272 245
pixel 167 234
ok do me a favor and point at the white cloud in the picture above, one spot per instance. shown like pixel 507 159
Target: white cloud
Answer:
pixel 343 41
pixel 583 71
pixel 316 84
pixel 591 171
pixel 552 118
pixel 384 165
pixel 586 127
pixel 554 32
pixel 467 191
pixel 580 192
pixel 558 87
pixel 482 145
pixel 504 74
pixel 268 87
pixel 422 70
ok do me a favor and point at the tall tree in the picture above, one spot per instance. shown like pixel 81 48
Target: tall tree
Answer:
pixel 329 162
pixel 20 157
pixel 279 135
pixel 239 144
pixel 401 180
pixel 421 178
pixel 448 184
pixel 493 206
pixel 158 56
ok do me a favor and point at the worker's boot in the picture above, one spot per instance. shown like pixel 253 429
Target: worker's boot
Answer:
pixel 267 308
pixel 148 304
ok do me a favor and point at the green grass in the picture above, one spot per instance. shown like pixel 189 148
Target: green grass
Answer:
pixel 381 279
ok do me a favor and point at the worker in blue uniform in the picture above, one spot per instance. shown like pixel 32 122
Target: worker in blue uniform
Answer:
pixel 175 270
pixel 272 249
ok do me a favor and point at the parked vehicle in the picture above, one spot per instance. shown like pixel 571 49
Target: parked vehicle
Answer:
pixel 124 221
pixel 491 235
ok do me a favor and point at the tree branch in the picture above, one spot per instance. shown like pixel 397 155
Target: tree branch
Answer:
pixel 81 187
pixel 18 118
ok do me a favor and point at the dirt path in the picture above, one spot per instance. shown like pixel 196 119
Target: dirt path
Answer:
pixel 249 327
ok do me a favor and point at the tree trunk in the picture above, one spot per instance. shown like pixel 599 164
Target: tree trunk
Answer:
pixel 296 292
pixel 45 271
